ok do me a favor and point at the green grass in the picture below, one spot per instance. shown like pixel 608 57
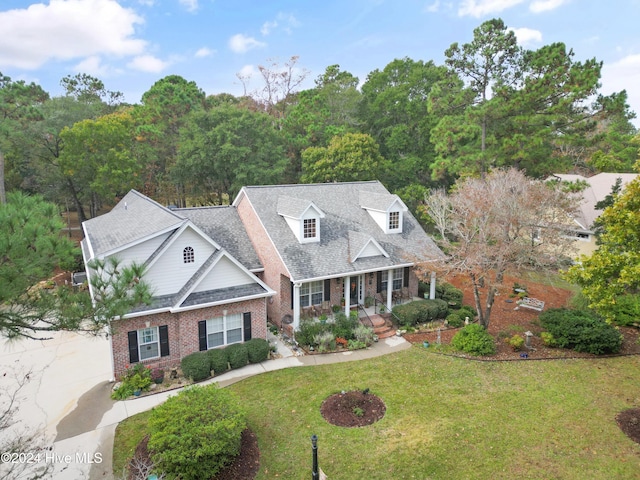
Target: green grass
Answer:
pixel 446 418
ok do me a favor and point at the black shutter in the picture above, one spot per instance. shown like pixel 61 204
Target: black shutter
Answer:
pixel 247 326
pixel 164 340
pixel 405 277
pixel 133 347
pixel 291 295
pixel 327 290
pixel 379 282
pixel 202 335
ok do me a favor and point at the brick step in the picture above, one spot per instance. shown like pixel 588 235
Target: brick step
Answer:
pixel 382 327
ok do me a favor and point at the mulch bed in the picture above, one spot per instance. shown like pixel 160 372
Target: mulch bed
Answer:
pixel 353 409
pixel 506 321
pixel 244 467
pixel 629 423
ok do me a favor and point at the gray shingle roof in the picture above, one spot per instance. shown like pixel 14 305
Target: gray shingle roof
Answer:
pixel 377 201
pixel 133 219
pixel 224 226
pixel 340 202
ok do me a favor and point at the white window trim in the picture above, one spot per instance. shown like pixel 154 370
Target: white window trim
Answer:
pixel 226 319
pixel 397 274
pixel 399 228
pixel 310 292
pixel 315 238
pixel 142 345
pixel 188 255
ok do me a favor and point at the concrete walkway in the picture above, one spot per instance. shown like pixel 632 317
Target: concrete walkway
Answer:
pixel 85 421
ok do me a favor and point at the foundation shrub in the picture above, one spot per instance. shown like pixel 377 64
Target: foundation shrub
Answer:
pixel 257 349
pixel 196 366
pixel 454 320
pixel 450 294
pixel 218 360
pixel 343 326
pixel 475 340
pixel 196 433
pixel 238 355
pixel 581 331
pixel 363 334
pixel 420 311
pixel 308 330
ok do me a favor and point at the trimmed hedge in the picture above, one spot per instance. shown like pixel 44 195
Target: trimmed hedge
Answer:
pixel 444 291
pixel 420 311
pixel 196 366
pixel 581 331
pixel 455 320
pixel 196 433
pixel 257 349
pixel 467 311
pixel 238 355
pixel 474 339
pixel 218 360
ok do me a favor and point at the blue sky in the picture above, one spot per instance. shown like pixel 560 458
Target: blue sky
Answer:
pixel 130 44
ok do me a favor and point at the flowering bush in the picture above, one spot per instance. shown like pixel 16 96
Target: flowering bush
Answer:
pixel 157 375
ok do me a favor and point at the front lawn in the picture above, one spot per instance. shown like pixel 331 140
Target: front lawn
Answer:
pixel 445 418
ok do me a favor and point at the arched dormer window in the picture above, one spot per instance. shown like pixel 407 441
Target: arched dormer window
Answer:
pixel 188 255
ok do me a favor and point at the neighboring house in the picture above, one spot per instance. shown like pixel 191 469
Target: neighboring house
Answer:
pixel 333 244
pixel 202 271
pixel 599 186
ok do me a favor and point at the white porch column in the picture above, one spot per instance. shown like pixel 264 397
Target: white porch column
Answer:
pixel 389 289
pixel 432 286
pixel 296 306
pixel 347 295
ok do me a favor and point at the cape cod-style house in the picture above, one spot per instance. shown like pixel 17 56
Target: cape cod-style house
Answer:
pixel 278 253
pixel 205 291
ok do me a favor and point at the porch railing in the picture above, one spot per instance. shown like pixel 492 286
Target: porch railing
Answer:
pixel 380 300
pixel 361 307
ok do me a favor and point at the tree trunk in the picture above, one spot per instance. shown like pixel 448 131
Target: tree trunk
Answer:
pixel 476 295
pixel 81 215
pixel 3 195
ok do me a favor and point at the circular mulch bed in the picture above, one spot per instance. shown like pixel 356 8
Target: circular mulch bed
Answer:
pixel 244 467
pixel 353 409
pixel 629 423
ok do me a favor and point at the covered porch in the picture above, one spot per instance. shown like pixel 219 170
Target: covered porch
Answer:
pixel 370 293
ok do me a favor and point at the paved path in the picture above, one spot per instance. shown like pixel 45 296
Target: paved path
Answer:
pixel 69 398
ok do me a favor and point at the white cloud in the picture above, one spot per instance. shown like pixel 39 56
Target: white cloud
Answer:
pixel 624 75
pixel 93 66
pixel 247 71
pixel 433 7
pixel 284 21
pixel 241 43
pixel 527 36
pixel 66 30
pixel 268 26
pixel 204 52
pixel 148 63
pixel 539 6
pixel 480 8
pixel 190 5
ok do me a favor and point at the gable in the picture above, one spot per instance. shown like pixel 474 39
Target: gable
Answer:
pixel 224 274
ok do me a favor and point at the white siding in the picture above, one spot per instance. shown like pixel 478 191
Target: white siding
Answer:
pixel 371 250
pixel 224 274
pixel 295 227
pixel 141 252
pixel 169 273
pixel 380 218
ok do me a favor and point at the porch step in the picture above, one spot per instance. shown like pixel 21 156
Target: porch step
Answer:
pixel 382 327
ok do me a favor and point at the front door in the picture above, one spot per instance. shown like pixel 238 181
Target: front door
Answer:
pixel 356 288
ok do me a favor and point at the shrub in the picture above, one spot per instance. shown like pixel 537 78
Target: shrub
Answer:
pixel 626 311
pixel 258 350
pixel 136 377
pixel 548 339
pixel 516 342
pixel 196 366
pixel 308 330
pixel 474 339
pixel 238 355
pixel 356 345
pixel 194 434
pixel 581 331
pixel 468 311
pixel 325 341
pixel 454 320
pixel 450 294
pixel 218 360
pixel 344 326
pixel 157 375
pixel 363 334
pixel 420 311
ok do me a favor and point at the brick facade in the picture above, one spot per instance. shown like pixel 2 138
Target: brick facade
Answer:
pixel 182 330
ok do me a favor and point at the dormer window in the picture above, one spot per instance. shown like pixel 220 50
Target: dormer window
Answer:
pixel 394 220
pixel 309 228
pixel 188 255
pixel 303 218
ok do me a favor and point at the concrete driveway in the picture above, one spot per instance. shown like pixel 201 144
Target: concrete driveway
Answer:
pixel 62 373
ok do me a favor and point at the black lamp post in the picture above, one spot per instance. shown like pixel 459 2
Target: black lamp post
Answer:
pixel 314 450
